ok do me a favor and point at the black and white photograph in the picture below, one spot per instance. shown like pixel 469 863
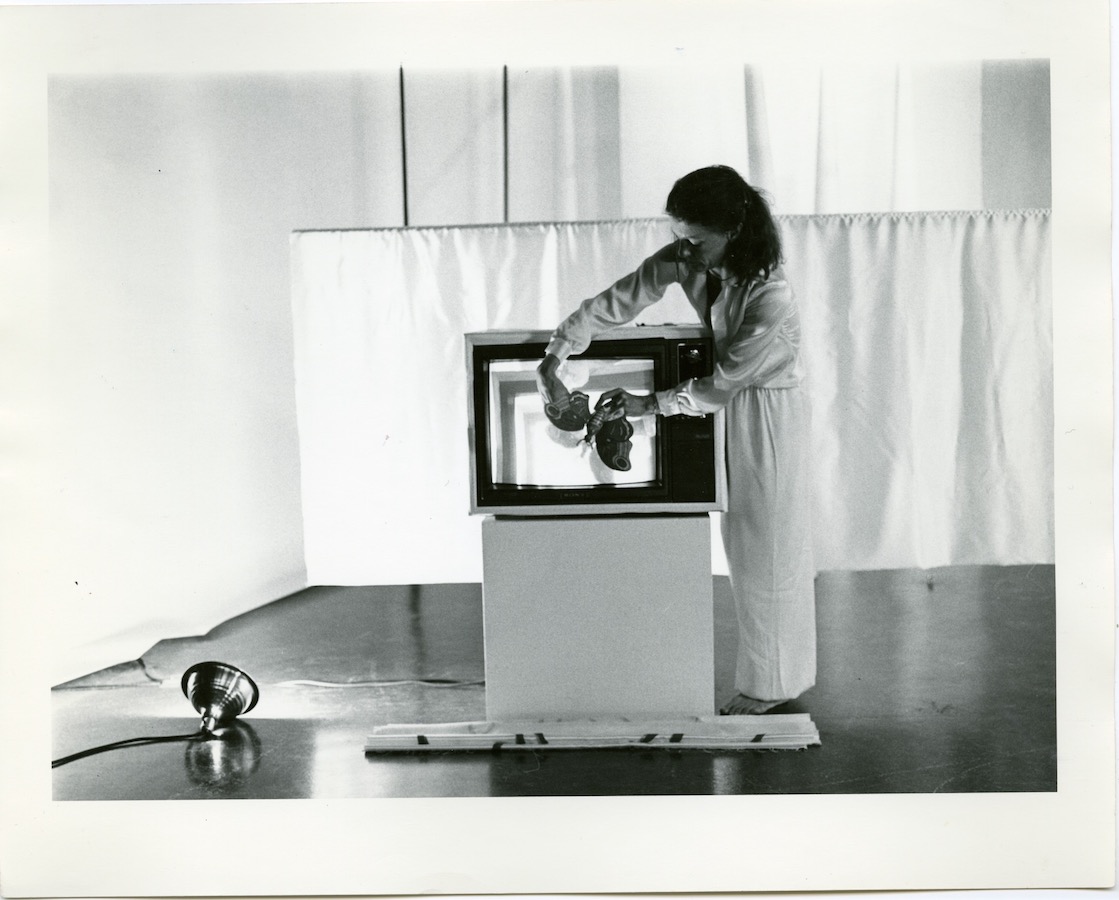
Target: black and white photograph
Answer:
pixel 655 447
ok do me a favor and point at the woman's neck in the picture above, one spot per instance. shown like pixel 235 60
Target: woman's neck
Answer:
pixel 724 274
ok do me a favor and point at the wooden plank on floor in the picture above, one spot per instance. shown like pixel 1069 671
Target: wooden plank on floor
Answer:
pixel 772 732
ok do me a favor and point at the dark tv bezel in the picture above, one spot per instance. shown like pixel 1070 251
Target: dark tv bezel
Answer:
pixel 660 346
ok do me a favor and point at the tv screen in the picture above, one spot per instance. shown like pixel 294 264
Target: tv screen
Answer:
pixel 527 449
pixel 527 462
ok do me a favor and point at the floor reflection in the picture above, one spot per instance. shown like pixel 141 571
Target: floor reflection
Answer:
pixel 225 761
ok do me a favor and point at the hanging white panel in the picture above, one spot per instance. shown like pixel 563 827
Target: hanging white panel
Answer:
pixel 927 154
pixel 674 120
pixel 785 101
pixel 563 144
pixel 1006 412
pixel 927 339
pixel 880 138
pixel 939 138
pixel 379 190
pixel 454 144
pixel 854 173
pixel 760 168
pixel 1017 155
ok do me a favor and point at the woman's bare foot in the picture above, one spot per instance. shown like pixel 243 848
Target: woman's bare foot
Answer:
pixel 741 705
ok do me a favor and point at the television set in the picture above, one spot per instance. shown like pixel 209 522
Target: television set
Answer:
pixel 526 461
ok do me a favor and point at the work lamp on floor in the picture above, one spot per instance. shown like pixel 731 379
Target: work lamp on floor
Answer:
pixel 218 691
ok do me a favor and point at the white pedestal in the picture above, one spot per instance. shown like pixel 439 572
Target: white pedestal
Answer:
pixel 590 617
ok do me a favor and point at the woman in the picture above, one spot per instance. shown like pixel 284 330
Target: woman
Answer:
pixel 727 258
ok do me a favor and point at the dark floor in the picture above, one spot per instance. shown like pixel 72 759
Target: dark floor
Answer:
pixel 938 681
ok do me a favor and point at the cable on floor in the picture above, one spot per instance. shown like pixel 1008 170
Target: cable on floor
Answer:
pixel 130 742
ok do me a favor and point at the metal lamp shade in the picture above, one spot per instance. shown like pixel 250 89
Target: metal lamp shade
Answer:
pixel 219 692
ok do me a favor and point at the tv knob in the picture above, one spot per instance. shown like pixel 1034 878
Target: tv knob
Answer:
pixel 692 361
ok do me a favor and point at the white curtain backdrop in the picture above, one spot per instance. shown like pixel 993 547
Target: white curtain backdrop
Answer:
pixel 927 336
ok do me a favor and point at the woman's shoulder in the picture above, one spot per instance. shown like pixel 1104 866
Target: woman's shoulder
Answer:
pixel 776 275
pixel 664 264
pixel 669 253
pixel 774 282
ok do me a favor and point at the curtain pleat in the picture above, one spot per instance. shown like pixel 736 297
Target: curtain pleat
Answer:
pixel 927 339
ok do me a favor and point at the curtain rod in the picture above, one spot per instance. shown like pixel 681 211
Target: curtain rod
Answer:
pixel 933 214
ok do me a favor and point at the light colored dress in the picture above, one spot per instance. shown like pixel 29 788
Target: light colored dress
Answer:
pixel 758 381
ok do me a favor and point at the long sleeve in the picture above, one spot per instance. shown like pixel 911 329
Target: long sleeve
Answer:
pixel 761 351
pixel 622 302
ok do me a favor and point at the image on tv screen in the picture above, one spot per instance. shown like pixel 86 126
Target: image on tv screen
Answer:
pixel 526 449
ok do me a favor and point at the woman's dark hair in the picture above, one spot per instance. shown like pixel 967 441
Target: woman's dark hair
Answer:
pixel 717 197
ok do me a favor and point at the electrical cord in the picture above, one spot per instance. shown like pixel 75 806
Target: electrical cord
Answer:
pixel 132 742
pixel 202 734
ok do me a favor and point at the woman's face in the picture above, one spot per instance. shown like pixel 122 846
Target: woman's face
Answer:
pixel 700 248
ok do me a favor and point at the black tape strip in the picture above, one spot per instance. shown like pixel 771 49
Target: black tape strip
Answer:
pixel 540 739
pixel 676 738
pixel 757 738
pixel 520 739
pixel 648 739
pixel 421 739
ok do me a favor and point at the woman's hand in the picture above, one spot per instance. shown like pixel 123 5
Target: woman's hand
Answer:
pixel 566 410
pixel 621 402
pixel 551 389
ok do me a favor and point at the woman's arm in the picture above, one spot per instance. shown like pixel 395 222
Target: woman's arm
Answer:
pixel 620 303
pixel 548 382
pixel 759 351
pixel 632 406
